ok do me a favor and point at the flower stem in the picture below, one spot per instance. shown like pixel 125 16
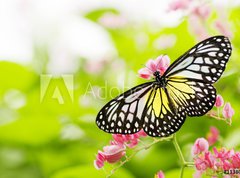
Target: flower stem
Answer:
pixel 178 149
pixel 182 171
pixel 181 157
pixel 145 147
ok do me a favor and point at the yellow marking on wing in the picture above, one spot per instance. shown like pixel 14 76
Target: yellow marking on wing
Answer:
pixel 178 96
pixel 182 86
pixel 179 91
pixel 157 103
pixel 165 99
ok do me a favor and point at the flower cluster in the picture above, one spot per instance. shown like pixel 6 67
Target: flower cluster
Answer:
pixel 213 162
pixel 195 8
pixel 117 148
pixel 198 12
pixel 206 162
pixel 160 64
pixel 227 110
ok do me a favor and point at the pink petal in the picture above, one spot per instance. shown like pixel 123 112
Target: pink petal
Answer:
pixel 200 145
pixel 98 164
pixel 151 65
pixel 200 164
pixel 100 156
pixel 219 101
pixel 228 111
pixel 179 5
pixel 160 174
pixel 236 160
pixel 213 135
pixel 141 133
pixel 133 143
pixel 144 73
pixel 223 28
pixel 162 63
pixel 209 159
pixel 113 153
pixel 198 28
pixel 202 11
pixel 118 139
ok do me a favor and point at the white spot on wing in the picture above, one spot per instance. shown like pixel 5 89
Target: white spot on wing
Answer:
pixel 194 67
pixel 199 60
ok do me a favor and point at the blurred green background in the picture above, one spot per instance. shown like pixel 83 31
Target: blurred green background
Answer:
pixel 62 61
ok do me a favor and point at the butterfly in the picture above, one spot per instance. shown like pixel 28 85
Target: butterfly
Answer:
pixel 185 89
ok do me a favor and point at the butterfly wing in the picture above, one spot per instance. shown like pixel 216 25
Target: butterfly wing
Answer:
pixel 204 62
pixel 123 114
pixel 161 111
pixel 197 98
pixel 159 116
pixel 190 78
pixel 188 89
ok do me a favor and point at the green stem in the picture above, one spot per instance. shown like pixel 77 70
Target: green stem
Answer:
pixel 182 171
pixel 181 157
pixel 178 149
pixel 145 147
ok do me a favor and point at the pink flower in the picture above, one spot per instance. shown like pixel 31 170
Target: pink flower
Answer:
pixel 227 165
pixel 160 64
pixel 141 133
pixel 219 101
pixel 113 153
pixel 200 145
pixel 200 163
pixel 205 161
pixel 110 154
pixel 131 140
pixel 201 11
pixel 145 73
pixel 217 161
pixel 198 28
pixel 179 5
pixel 223 28
pixel 99 162
pixel 236 160
pixel 223 153
pixel 209 158
pixel 213 135
pixel 160 174
pixel 228 111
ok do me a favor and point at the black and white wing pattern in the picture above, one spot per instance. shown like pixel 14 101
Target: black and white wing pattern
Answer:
pixel 123 114
pixel 160 118
pixel 204 62
pixel 188 89
pixel 190 78
pixel 161 109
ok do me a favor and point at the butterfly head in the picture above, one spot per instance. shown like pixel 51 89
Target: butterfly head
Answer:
pixel 160 80
pixel 157 74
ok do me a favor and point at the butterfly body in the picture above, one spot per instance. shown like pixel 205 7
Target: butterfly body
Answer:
pixel 161 81
pixel 161 106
